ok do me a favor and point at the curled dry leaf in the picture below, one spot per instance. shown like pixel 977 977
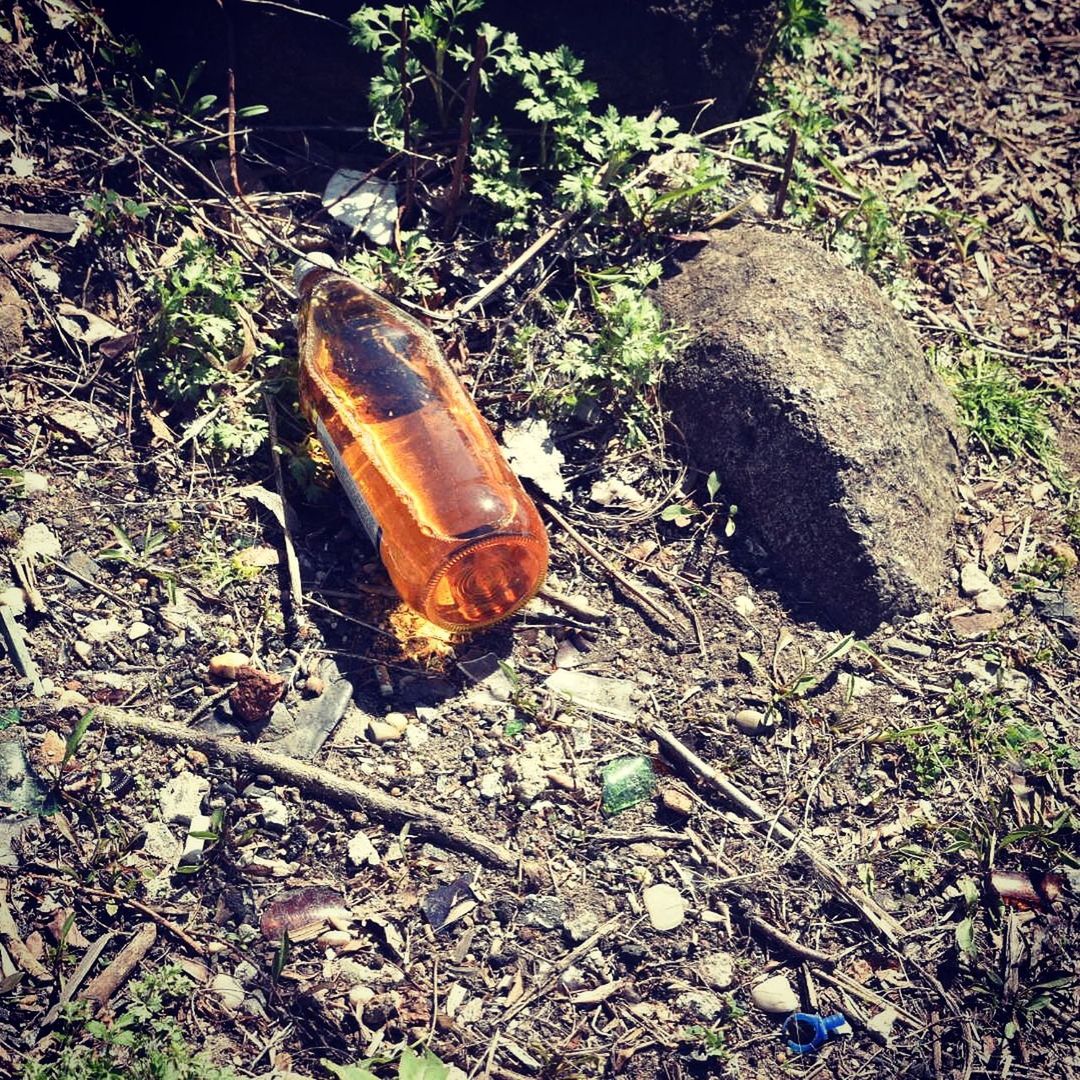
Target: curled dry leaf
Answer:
pixel 296 909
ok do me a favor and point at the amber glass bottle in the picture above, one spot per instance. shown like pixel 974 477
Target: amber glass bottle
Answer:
pixel 461 540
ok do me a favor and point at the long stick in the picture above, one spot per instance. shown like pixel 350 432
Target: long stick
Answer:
pixel 874 914
pixel 315 782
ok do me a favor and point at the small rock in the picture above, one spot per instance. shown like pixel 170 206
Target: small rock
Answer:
pixel 138 630
pixel 14 598
pixel 743 605
pixel 490 785
pixel 182 796
pixel 246 972
pixel 882 1024
pixel 973 626
pixel 228 990
pixel 416 735
pixel 752 722
pixel 397 720
pixel 314 685
pixel 860 687
pixel 665 905
pixel 775 995
pixel 543 912
pixel 83 649
pixel 990 600
pixel 98 630
pixel 161 844
pixel 700 1005
pixel 275 813
pixel 647 852
pixel 34 483
pixel 381 732
pixel 717 970
pixel 255 694
pixel 909 648
pixel 225 665
pixel 362 851
pixel 972 580
pixel 581 926
pixel 677 801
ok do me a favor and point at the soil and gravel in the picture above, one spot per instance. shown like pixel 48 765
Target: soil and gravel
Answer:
pixel 845 815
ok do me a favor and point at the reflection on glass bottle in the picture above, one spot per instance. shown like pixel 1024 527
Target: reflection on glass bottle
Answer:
pixel 461 540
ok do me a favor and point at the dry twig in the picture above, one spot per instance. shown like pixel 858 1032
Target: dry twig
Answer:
pixel 874 914
pixel 315 782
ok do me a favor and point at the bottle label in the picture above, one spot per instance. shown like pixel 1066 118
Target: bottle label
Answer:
pixel 359 503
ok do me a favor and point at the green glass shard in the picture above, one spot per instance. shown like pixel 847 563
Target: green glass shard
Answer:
pixel 627 781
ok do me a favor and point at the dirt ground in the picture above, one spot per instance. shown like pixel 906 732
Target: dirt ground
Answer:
pixel 889 824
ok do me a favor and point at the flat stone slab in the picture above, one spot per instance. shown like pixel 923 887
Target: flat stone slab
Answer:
pixel 810 397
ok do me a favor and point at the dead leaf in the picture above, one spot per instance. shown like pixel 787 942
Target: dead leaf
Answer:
pixel 51 749
pixel 76 420
pixel 97 329
pixel 247 346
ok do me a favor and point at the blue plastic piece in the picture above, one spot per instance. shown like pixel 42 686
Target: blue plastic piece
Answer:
pixel 807 1033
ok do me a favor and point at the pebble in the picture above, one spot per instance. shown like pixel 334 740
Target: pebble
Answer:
pixel 381 732
pixel 14 598
pixel 397 720
pixel 416 735
pixel 490 786
pixel 228 990
pixel 138 630
pixel 752 722
pixel 34 483
pixel 973 626
pixel 224 666
pixel 182 796
pixel 972 580
pixel 775 995
pixel 83 649
pixel 543 912
pixel 717 970
pixel 677 801
pixel 275 813
pixel 581 926
pixel 700 1005
pixel 990 600
pixel 909 648
pixel 665 905
pixel 743 605
pixel 160 844
pixel 362 851
pixel 98 630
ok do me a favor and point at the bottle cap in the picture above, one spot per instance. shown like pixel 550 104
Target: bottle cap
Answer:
pixel 314 260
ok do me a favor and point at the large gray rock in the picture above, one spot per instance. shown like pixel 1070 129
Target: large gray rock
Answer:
pixel 811 399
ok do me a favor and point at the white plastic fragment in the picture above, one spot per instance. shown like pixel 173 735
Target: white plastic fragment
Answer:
pixel 532 455
pixel 362 204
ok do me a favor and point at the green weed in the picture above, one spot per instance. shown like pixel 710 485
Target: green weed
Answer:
pixel 1002 414
pixel 144 1042
pixel 410 1066
pixel 202 351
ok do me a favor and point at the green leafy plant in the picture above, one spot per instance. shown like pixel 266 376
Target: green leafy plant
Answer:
pixel 202 350
pixel 410 1066
pixel 144 1042
pixel 708 1043
pixel 1002 414
pixel 682 513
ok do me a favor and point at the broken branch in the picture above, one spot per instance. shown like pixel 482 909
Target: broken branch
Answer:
pixel 315 782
